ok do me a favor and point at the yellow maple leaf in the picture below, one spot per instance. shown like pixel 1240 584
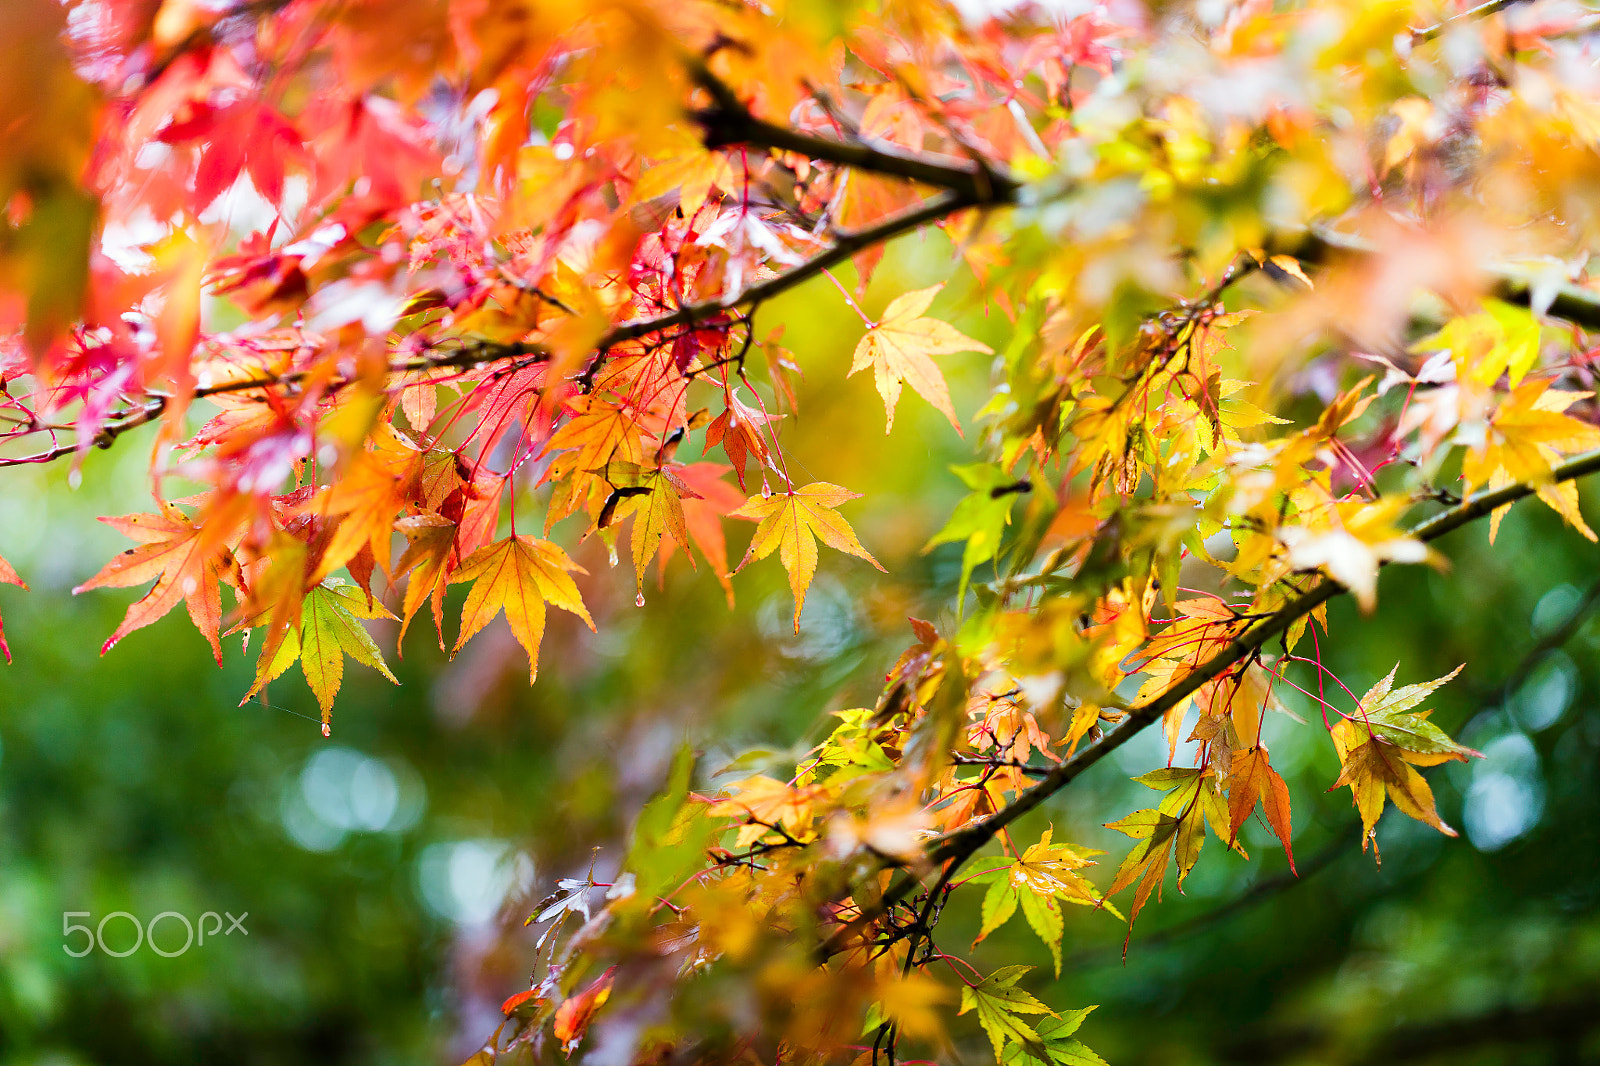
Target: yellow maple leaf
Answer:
pixel 519 575
pixel 791 522
pixel 1528 434
pixel 1374 767
pixel 898 348
pixel 910 1000
pixel 329 629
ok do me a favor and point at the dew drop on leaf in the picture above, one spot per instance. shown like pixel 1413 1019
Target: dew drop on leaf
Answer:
pixel 611 553
pixel 638 601
pixel 766 489
pixel 327 730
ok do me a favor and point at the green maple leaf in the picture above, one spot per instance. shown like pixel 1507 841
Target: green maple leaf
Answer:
pixel 1061 1047
pixel 998 1002
pixel 979 520
pixel 330 629
pixel 1387 712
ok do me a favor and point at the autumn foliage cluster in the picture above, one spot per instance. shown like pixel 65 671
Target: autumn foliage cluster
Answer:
pixel 1292 290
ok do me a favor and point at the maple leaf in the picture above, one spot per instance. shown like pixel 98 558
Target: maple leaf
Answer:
pixel 1061 1047
pixel 1379 745
pixel 1042 875
pixel 1175 828
pixel 738 430
pixel 657 512
pixel 898 349
pixel 8 576
pixel 1376 766
pixel 1351 553
pixel 703 511
pixel 187 562
pixel 429 554
pixel 1528 434
pixel 1253 778
pixel 1385 712
pixel 980 519
pixel 518 575
pixel 599 431
pixel 764 803
pixel 330 628
pixel 576 1012
pixel 1500 339
pixel 791 522
pixel 361 503
pixel 909 1000
pixel 998 1003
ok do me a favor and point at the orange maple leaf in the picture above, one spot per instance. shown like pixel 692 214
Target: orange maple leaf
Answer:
pixel 738 430
pixel 8 576
pixel 702 519
pixel 790 522
pixel 361 503
pixel 518 575
pixel 427 558
pixel 658 514
pixel 1376 766
pixel 1252 777
pixel 573 1016
pixel 188 561
pixel 898 348
pixel 600 432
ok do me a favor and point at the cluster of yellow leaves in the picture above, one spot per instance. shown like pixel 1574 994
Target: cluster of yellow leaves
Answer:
pixel 1527 436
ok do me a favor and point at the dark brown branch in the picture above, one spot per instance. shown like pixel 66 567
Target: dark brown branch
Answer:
pixel 1571 303
pixel 844 246
pixel 729 122
pixel 1000 764
pixel 148 411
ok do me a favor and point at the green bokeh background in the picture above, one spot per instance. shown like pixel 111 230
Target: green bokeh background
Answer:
pixel 371 864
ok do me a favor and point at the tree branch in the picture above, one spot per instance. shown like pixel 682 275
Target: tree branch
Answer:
pixel 1471 14
pixel 133 417
pixel 845 245
pixel 729 122
pixel 1571 303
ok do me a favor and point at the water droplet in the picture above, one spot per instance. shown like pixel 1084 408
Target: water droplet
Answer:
pixel 766 489
pixel 611 553
pixel 327 730
pixel 638 601
pixel 74 478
